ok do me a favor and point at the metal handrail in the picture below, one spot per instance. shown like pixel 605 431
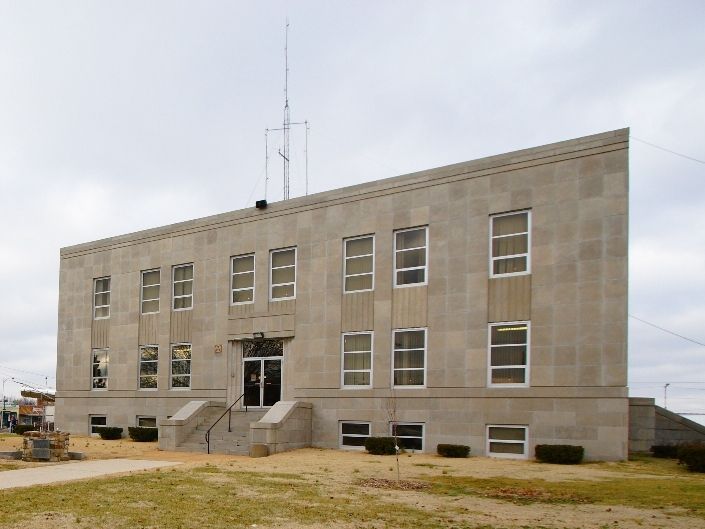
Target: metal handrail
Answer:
pixel 229 411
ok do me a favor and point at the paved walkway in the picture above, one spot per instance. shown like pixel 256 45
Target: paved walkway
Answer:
pixel 74 470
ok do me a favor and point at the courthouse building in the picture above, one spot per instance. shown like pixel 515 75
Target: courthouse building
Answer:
pixel 482 303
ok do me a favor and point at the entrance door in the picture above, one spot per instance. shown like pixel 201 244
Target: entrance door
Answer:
pixel 262 381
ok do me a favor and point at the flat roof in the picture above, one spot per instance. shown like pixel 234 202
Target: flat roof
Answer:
pixel 563 150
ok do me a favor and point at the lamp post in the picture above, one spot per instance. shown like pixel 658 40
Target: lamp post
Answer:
pixel 2 418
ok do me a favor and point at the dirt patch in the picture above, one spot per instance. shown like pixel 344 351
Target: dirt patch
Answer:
pixel 401 484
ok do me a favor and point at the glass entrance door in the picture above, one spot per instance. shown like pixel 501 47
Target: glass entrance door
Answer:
pixel 262 381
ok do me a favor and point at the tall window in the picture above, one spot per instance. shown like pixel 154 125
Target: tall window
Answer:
pixel 409 357
pixel 510 241
pixel 509 354
pixel 359 263
pixel 149 357
pixel 507 441
pixel 101 298
pixel 353 435
pixel 242 283
pixel 150 291
pixel 183 287
pixel 100 368
pixel 282 280
pixel 410 257
pixel 357 359
pixel 181 366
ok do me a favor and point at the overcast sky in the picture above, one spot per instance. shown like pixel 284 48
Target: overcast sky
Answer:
pixel 162 106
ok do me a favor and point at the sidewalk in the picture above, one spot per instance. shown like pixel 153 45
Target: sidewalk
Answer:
pixel 72 471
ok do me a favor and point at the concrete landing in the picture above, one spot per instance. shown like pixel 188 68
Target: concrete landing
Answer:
pixel 71 471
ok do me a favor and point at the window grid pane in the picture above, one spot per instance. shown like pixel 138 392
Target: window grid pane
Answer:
pixel 408 436
pixel 359 264
pixel 149 359
pixel 283 274
pixel 150 291
pixel 357 359
pixel 409 357
pixel 410 248
pixel 180 372
pixel 99 371
pixel 182 288
pixel 507 441
pixel 509 353
pixel 242 282
pixel 510 243
pixel 101 298
pixel 353 434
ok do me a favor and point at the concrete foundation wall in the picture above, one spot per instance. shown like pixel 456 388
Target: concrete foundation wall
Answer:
pixel 286 426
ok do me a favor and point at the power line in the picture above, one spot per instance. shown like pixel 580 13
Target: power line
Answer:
pixel 8 368
pixel 666 330
pixel 667 150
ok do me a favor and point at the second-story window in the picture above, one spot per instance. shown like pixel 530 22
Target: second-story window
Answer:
pixel 359 263
pixel 409 357
pixel 242 285
pixel 510 243
pixel 282 281
pixel 183 287
pixel 181 366
pixel 357 359
pixel 410 257
pixel 150 291
pixel 101 298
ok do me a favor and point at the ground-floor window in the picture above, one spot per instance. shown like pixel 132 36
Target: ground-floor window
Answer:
pixel 146 422
pixel 409 435
pixel 96 421
pixel 353 435
pixel 181 366
pixel 509 441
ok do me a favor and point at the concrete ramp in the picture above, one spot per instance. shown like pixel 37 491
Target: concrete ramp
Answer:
pixel 653 425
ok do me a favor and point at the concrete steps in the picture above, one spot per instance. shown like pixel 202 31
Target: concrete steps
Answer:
pixel 222 441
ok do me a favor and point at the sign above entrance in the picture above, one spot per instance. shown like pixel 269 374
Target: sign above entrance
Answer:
pixel 262 348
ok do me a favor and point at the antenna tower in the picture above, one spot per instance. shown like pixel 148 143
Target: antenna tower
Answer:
pixel 284 152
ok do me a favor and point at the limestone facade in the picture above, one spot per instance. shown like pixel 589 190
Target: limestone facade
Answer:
pixel 570 298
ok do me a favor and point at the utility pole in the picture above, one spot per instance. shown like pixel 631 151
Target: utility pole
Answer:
pixel 4 398
pixel 665 395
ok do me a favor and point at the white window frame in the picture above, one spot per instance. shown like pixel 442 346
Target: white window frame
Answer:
pixel 271 285
pixel 425 267
pixel 502 455
pixel 254 278
pixel 93 364
pixel 139 367
pixel 138 417
pixel 345 263
pixel 174 297
pixel 142 287
pixel 528 244
pixel 95 293
pixel 526 367
pixel 91 425
pixel 405 423
pixel 340 435
pixel 425 358
pixel 342 360
pixel 171 373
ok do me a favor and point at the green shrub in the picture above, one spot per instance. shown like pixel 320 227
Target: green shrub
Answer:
pixel 19 429
pixel 665 451
pixel 692 455
pixel 446 450
pixel 142 434
pixel 108 432
pixel 560 454
pixel 381 446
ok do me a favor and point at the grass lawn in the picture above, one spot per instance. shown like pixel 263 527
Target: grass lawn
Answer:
pixel 332 489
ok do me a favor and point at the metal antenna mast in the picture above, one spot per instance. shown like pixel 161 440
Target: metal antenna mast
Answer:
pixel 287 120
pixel 284 152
